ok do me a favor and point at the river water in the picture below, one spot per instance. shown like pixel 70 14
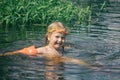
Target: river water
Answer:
pixel 98 45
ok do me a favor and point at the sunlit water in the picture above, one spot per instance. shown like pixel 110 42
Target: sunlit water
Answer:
pixel 98 45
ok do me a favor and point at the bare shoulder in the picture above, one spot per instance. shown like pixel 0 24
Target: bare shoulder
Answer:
pixel 41 50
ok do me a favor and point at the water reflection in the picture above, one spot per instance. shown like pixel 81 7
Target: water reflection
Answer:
pixel 53 71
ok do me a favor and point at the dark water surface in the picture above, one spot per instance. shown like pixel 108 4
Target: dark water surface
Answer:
pixel 98 45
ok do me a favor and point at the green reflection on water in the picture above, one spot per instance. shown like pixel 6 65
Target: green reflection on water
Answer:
pixel 11 35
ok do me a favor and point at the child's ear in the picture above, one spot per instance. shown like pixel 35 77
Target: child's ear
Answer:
pixel 48 37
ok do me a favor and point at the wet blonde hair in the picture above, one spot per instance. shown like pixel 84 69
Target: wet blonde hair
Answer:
pixel 56 26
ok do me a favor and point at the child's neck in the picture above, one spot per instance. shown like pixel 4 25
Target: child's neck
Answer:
pixel 59 50
pixel 50 46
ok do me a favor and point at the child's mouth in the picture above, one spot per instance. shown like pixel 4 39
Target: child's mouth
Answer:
pixel 59 44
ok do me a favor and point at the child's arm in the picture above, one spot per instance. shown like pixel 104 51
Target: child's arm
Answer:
pixel 75 61
pixel 28 50
pixel 40 51
pixel 8 53
pixel 81 62
pixel 31 50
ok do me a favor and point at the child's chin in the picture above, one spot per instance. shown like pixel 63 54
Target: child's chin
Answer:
pixel 57 47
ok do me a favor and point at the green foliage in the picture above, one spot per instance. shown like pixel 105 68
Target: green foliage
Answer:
pixel 27 12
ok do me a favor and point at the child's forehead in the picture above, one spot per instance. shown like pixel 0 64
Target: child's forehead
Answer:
pixel 58 33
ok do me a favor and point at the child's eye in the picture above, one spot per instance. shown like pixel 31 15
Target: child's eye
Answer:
pixel 57 36
pixel 63 37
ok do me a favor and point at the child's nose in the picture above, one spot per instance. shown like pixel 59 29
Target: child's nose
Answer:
pixel 60 39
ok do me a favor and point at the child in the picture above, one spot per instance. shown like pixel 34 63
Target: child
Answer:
pixel 55 38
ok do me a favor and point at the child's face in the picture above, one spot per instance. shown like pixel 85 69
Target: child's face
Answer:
pixel 56 39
